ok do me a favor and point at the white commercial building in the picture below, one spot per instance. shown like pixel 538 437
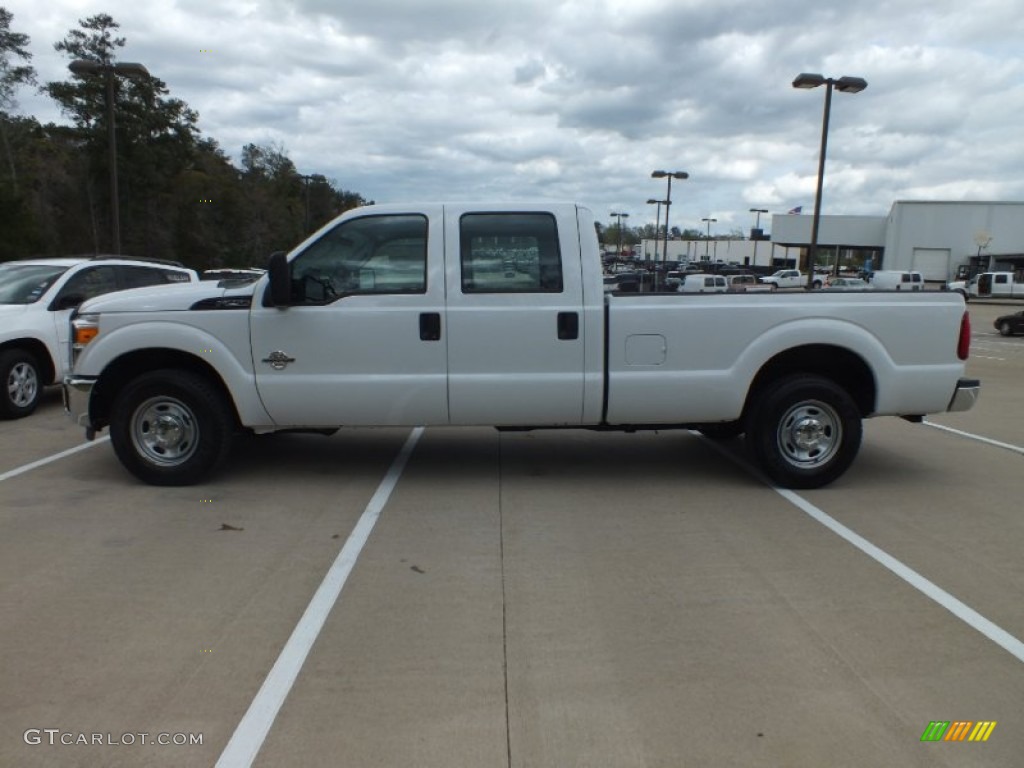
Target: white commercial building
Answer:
pixel 935 238
pixel 932 237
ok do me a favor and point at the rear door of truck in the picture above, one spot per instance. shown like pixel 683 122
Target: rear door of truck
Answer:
pixel 514 315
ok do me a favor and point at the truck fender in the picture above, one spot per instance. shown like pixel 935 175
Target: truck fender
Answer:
pixel 158 344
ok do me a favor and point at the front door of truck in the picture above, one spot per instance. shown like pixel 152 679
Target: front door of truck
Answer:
pixel 515 321
pixel 364 339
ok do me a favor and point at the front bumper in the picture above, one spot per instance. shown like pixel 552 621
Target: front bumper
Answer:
pixel 965 396
pixel 77 391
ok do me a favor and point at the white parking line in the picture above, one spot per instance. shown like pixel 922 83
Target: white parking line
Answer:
pixel 50 459
pixel 248 737
pixel 979 438
pixel 961 610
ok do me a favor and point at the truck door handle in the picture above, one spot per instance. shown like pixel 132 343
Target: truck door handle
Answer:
pixel 430 326
pixel 568 325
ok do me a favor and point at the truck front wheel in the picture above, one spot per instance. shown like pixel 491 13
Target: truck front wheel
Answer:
pixel 804 431
pixel 171 427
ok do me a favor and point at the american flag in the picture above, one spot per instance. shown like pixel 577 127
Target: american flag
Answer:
pixel 798 209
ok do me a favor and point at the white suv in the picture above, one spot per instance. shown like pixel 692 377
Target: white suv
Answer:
pixel 37 297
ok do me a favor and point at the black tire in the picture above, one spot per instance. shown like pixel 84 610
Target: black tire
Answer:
pixel 22 383
pixel 1005 329
pixel 804 431
pixel 171 427
pixel 724 430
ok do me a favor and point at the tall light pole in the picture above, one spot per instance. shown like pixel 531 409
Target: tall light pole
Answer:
pixel 621 216
pixel 844 84
pixel 657 224
pixel 86 68
pixel 707 257
pixel 757 228
pixel 668 196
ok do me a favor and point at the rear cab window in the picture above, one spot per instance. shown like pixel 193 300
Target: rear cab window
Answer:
pixel 510 253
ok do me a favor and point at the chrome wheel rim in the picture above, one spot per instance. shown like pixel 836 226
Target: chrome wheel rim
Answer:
pixel 22 384
pixel 164 431
pixel 809 434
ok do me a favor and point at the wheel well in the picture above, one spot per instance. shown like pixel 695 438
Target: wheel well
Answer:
pixel 845 368
pixel 127 367
pixel 39 352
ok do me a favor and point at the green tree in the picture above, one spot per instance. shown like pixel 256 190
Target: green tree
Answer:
pixel 13 48
pixel 157 135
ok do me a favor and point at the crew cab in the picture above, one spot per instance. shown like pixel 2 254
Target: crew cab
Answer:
pixel 36 300
pixel 789 278
pixel 996 285
pixel 403 315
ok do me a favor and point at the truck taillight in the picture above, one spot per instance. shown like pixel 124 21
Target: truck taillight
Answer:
pixel 963 346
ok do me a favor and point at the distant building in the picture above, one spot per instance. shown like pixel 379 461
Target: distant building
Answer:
pixel 936 238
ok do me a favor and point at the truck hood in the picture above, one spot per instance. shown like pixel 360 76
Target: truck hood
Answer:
pixel 175 297
pixel 11 317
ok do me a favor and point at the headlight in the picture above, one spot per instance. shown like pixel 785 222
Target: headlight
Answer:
pixel 84 328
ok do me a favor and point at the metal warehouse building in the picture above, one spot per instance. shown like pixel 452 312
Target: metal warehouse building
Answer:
pixel 935 238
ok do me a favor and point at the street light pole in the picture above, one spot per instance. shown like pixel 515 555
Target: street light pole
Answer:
pixel 86 68
pixel 707 242
pixel 844 84
pixel 668 197
pixel 757 227
pixel 657 224
pixel 618 253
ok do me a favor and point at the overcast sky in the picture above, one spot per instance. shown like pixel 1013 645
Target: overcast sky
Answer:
pixel 431 100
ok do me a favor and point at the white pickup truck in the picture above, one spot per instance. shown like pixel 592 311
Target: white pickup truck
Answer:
pixel 790 278
pixel 990 285
pixel 496 315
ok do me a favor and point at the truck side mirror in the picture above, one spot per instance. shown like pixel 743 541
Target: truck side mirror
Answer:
pixel 280 279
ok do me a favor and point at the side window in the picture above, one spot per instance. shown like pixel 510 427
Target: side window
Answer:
pixel 91 281
pixel 510 253
pixel 370 255
pixel 1001 279
pixel 139 277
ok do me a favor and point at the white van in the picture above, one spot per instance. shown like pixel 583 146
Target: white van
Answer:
pixel 897 280
pixel 701 283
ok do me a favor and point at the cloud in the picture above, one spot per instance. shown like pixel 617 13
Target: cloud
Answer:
pixel 461 99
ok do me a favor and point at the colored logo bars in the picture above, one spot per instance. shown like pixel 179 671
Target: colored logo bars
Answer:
pixel 958 730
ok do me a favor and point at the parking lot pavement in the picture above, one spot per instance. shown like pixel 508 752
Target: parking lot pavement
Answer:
pixel 526 599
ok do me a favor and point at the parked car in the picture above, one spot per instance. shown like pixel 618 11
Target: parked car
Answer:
pixel 897 280
pixel 36 300
pixel 1007 325
pixel 232 274
pixel 848 284
pixel 795 374
pixel 959 286
pixel 701 283
pixel 745 283
pixel 790 278
pixel 673 280
pixel 996 284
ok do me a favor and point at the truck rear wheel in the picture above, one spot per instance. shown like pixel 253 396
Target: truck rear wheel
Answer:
pixel 171 427
pixel 22 384
pixel 804 431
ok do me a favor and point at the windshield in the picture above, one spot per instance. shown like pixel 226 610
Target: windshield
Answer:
pixel 26 283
